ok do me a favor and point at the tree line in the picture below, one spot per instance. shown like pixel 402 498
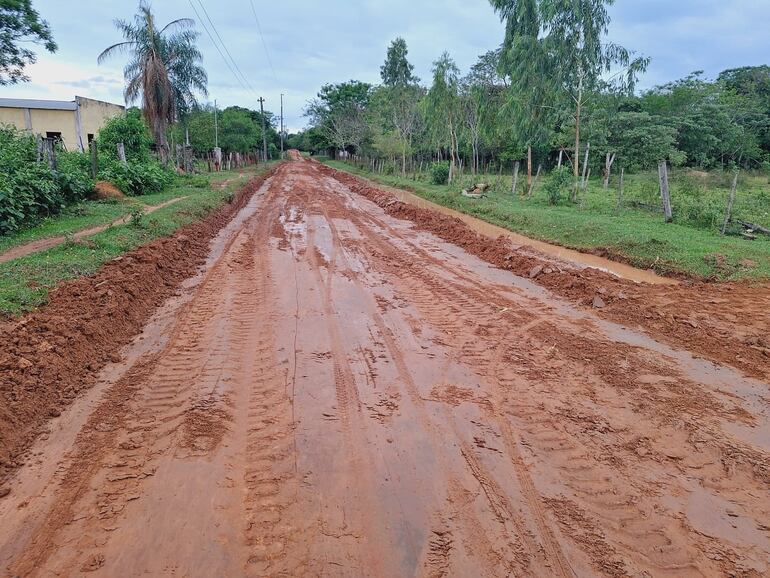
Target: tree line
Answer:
pixel 555 94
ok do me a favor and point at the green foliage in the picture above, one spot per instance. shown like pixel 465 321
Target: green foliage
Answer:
pixel 439 173
pixel 138 178
pixel 558 184
pixel 19 22
pixel 164 69
pixel 29 189
pixel 397 70
pixel 129 129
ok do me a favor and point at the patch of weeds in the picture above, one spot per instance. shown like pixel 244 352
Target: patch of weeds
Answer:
pixel 137 217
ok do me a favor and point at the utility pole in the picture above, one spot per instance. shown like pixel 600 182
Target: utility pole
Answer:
pixel 281 125
pixel 216 127
pixel 264 134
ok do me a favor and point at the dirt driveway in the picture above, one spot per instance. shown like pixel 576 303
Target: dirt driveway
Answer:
pixel 338 393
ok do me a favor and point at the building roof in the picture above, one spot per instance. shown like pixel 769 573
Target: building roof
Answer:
pixel 34 103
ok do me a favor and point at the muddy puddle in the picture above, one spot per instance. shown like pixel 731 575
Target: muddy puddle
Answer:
pixel 575 257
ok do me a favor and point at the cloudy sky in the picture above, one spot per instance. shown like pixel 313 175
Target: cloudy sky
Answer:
pixel 307 44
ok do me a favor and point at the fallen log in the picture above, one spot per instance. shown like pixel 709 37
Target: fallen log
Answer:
pixel 754 228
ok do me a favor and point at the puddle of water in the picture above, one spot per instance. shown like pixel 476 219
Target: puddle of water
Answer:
pixel 562 253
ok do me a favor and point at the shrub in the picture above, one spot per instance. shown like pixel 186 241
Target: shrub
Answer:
pixel 557 185
pixel 138 178
pixel 129 129
pixel 30 189
pixel 439 173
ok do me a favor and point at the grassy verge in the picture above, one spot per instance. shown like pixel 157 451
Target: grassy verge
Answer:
pixel 634 236
pixel 25 282
pixel 87 214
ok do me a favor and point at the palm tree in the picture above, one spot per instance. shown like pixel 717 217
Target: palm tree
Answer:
pixel 164 68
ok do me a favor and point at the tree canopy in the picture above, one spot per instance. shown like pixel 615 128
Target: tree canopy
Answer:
pixel 20 25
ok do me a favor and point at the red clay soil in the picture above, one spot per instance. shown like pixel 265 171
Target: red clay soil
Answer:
pixel 338 393
pixel 51 356
pixel 106 190
pixel 728 322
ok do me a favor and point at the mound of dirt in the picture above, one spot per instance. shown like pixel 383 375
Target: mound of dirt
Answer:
pixel 104 190
pixel 726 322
pixel 50 356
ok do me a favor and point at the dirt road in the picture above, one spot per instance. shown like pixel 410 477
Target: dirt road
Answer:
pixel 340 394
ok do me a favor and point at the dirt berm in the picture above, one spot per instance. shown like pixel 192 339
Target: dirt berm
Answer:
pixel 47 358
pixel 726 322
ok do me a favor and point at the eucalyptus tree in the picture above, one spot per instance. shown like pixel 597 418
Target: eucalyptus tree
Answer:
pixel 20 25
pixel 442 107
pixel 527 59
pixel 398 98
pixel 576 31
pixel 163 69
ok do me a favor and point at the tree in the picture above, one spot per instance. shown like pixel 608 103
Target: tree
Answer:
pixel 164 68
pixel 442 106
pixel 20 23
pixel 398 99
pixel 397 71
pixel 339 111
pixel 575 31
pixel 526 58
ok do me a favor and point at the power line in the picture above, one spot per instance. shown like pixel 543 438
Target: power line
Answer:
pixel 214 42
pixel 264 44
pixel 214 28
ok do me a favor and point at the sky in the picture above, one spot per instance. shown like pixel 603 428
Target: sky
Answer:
pixel 306 44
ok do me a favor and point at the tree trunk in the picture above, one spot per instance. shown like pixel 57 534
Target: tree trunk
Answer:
pixel 561 154
pixel 585 165
pixel 576 164
pixel 620 188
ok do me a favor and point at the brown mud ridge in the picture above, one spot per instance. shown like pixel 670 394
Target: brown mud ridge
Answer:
pixel 727 322
pixel 51 356
pixel 340 392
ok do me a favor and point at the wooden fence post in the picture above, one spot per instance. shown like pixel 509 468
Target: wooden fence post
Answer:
pixel 730 201
pixel 665 194
pixel 515 182
pixel 122 153
pixel 534 182
pixel 94 159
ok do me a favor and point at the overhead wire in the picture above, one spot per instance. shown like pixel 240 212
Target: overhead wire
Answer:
pixel 214 42
pixel 222 42
pixel 264 44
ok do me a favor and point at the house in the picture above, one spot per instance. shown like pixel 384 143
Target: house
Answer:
pixel 74 123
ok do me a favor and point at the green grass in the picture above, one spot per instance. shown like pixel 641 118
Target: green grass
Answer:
pixel 25 282
pixel 691 245
pixel 87 214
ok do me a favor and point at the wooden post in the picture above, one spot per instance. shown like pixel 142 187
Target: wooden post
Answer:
pixel 537 176
pixel 122 154
pixel 94 159
pixel 515 178
pixel 585 164
pixel 609 159
pixel 730 201
pixel 664 191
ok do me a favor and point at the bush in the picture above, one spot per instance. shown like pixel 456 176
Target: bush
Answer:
pixel 129 129
pixel 29 189
pixel 138 178
pixel 73 173
pixel 557 185
pixel 439 173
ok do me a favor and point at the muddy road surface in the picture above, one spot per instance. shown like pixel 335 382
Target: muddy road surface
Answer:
pixel 338 393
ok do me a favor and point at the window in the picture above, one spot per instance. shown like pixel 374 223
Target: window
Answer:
pixel 90 137
pixel 53 135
